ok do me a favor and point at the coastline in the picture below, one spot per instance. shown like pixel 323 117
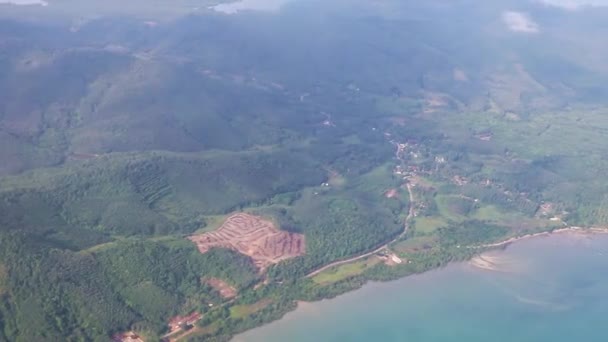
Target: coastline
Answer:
pixel 572 229
pixel 310 305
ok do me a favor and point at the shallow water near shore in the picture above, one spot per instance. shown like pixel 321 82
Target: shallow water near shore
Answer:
pixel 551 288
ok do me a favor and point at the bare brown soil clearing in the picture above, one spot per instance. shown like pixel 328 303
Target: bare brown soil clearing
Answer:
pixel 225 290
pixel 335 179
pixel 196 332
pixel 176 323
pixel 127 337
pixel 392 193
pixel 435 101
pixel 420 182
pixel 255 237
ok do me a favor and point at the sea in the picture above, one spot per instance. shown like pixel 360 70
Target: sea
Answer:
pixel 551 288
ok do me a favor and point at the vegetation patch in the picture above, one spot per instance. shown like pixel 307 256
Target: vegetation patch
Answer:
pixel 416 244
pixel 166 132
pixel 3 278
pixel 428 224
pixel 242 311
pixel 338 273
pixel 454 207
pixel 224 289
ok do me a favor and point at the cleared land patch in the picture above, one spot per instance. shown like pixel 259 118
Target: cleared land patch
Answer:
pixel 255 237
pixel 224 289
pixel 179 322
pixel 391 193
pixel 127 337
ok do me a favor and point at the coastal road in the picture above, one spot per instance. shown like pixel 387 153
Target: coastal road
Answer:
pixel 410 215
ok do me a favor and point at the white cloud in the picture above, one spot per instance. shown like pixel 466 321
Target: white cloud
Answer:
pixel 575 4
pixel 519 22
pixel 24 2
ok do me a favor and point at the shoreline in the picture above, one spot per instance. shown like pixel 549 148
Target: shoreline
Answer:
pixel 309 305
pixel 572 229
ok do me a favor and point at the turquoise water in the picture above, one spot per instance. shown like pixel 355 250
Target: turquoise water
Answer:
pixel 545 289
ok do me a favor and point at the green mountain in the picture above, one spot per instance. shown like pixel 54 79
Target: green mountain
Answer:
pixel 372 128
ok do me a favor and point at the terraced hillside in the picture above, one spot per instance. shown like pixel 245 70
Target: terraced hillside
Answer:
pixel 255 237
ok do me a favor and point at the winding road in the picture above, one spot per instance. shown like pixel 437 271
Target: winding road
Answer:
pixel 362 256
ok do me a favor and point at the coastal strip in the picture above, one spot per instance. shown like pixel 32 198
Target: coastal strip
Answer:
pixel 573 229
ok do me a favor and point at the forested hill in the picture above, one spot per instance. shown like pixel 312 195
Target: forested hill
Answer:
pixel 127 128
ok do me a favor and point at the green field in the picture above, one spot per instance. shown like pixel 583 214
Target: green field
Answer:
pixel 342 272
pixel 428 225
pixel 242 311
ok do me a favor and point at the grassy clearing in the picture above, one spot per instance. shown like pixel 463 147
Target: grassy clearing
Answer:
pixel 429 224
pixel 415 244
pixel 242 311
pixel 352 139
pixel 515 220
pixel 213 223
pixel 493 214
pixel 99 248
pixel 342 272
pixel 377 180
pixel 453 207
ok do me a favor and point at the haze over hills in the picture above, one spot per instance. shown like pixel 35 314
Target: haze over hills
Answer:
pixel 125 128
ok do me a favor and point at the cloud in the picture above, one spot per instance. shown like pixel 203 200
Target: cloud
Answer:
pixel 249 5
pixel 575 4
pixel 24 2
pixel 519 22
